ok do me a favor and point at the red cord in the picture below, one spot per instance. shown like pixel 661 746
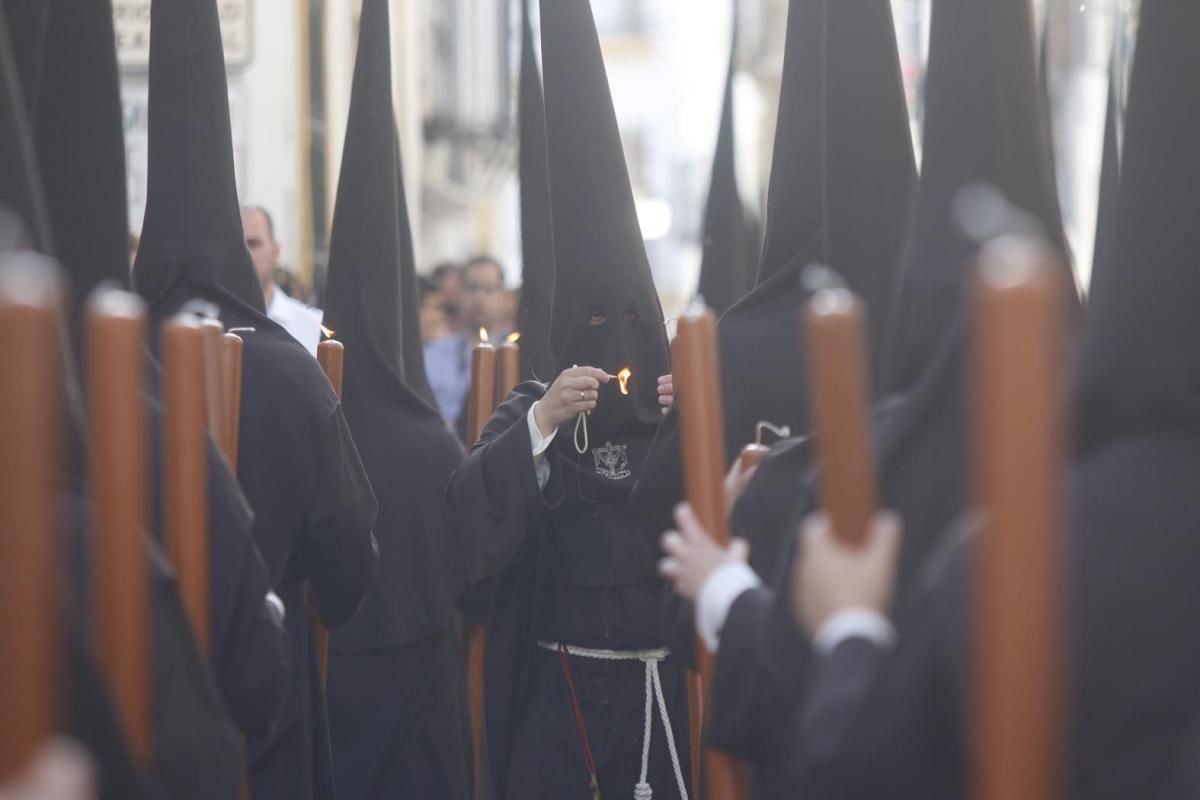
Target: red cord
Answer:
pixel 588 760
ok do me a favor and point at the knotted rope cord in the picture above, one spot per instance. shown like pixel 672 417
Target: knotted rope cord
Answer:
pixel 654 693
pixel 581 422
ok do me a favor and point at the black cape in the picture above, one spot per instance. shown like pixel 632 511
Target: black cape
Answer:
pixel 920 424
pixel 841 188
pixel 394 701
pixel 298 465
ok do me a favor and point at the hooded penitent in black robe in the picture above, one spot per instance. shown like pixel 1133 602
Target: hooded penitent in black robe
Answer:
pixel 298 466
pixel 394 697
pixel 1132 694
pixel 81 155
pixel 981 70
pixel 574 566
pixel 80 150
pixel 841 186
pixel 537 235
pixel 729 260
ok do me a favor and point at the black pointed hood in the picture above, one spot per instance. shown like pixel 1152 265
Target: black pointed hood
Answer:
pixel 20 186
pixel 192 243
pixel 371 241
pixel 984 125
pixel 1110 184
pixel 27 21
pixel 81 147
pixel 601 264
pixel 727 234
pixel 841 187
pixel 537 231
pixel 1140 353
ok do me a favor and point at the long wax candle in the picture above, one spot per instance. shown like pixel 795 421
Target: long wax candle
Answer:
pixel 508 368
pixel 837 368
pixel 702 418
pixel 1018 400
pixel 483 389
pixel 187 466
pixel 116 324
pixel 31 674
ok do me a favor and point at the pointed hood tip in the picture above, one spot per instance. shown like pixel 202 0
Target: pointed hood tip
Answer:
pixel 371 295
pixel 537 235
pixel 727 259
pixel 20 183
pixel 84 174
pixel 192 239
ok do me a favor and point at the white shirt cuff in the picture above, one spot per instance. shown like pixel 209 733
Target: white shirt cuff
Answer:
pixel 537 441
pixel 851 623
pixel 717 596
pixel 539 445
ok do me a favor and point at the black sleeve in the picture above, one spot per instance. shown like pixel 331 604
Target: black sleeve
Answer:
pixel 249 653
pixel 494 493
pixel 338 546
pixel 761 670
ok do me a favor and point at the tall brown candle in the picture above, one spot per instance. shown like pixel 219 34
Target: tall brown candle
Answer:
pixel 508 368
pixel 1018 402
pixel 187 466
pixel 31 674
pixel 116 323
pixel 703 427
pixel 837 368
pixel 481 402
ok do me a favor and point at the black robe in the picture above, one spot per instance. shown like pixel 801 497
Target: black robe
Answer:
pixel 250 654
pixel 395 706
pixel 313 515
pixel 574 571
pixel 196 752
pixel 894 724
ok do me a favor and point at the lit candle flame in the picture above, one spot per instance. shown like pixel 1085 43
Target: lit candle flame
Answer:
pixel 623 376
pixel 513 337
pixel 329 332
pixel 483 335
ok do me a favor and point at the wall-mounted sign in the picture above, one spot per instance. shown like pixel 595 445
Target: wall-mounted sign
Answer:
pixel 131 19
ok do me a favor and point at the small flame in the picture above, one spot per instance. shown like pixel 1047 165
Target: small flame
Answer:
pixel 483 335
pixel 513 337
pixel 623 376
pixel 329 332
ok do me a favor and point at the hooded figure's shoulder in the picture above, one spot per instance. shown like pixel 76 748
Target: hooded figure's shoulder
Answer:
pixel 280 369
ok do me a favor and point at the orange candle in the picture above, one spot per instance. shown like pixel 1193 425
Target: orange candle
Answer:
pixel 703 427
pixel 121 590
pixel 187 466
pixel 482 399
pixel 837 370
pixel 30 418
pixel 1018 402
pixel 508 367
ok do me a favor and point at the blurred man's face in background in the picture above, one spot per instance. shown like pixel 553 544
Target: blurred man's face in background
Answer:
pixel 483 296
pixel 264 250
pixel 434 324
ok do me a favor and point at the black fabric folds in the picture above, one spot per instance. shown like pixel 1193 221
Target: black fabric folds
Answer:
pixel 537 232
pixel 730 258
pixel 192 243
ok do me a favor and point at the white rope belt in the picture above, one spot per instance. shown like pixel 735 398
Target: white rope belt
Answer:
pixel 654 693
